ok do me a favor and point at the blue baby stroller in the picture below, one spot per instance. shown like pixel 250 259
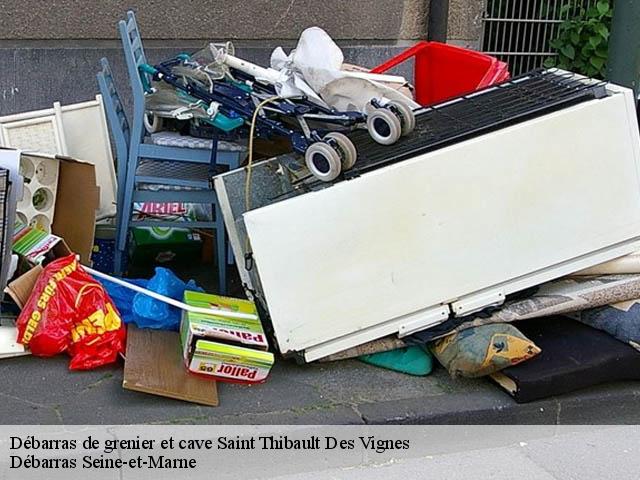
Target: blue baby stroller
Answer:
pixel 214 87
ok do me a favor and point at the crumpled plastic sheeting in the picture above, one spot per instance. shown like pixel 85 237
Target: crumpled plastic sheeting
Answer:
pixel 318 61
pixel 146 312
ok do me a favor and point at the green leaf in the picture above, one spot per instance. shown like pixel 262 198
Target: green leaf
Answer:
pixel 565 9
pixel 549 62
pixel 575 38
pixel 568 51
pixel 603 31
pixel 595 40
pixel 603 7
pixel 597 62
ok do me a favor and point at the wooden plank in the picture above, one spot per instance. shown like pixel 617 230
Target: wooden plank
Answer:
pixel 154 365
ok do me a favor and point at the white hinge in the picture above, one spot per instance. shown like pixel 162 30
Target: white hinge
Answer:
pixel 475 303
pixel 424 319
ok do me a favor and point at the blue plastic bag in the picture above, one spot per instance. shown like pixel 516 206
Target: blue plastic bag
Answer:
pixel 144 311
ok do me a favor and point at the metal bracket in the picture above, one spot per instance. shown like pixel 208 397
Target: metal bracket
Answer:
pixel 304 126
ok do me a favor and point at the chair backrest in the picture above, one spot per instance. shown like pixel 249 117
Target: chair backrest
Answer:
pixel 134 57
pixel 116 117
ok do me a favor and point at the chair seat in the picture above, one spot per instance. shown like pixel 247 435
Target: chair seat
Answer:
pixel 174 139
pixel 176 174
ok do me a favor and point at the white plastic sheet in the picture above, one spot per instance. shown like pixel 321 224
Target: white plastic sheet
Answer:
pixel 317 61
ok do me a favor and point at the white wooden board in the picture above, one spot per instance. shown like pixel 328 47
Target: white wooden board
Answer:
pixel 521 205
pixel 87 138
pixel 78 130
pixel 9 347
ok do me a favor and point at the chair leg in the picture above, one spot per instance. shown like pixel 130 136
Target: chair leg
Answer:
pixel 118 266
pixel 126 208
pixel 230 257
pixel 118 263
pixel 221 250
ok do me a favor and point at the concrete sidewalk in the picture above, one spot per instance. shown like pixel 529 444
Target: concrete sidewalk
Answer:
pixel 36 390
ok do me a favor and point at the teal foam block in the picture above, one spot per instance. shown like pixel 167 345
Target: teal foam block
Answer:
pixel 412 360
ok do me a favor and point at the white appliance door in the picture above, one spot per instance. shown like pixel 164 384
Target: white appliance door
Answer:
pixel 341 262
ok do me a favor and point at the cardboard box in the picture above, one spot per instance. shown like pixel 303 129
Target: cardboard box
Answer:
pixel 225 348
pixel 77 199
pixel 158 244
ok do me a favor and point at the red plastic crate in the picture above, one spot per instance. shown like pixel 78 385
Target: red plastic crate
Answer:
pixel 444 71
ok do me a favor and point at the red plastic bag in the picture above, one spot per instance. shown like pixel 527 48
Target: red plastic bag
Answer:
pixel 69 310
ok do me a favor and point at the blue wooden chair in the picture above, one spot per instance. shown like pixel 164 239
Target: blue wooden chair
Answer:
pixel 154 165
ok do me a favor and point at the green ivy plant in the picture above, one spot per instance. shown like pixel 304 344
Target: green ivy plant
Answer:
pixel 583 39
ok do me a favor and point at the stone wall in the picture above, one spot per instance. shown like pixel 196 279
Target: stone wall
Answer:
pixel 465 22
pixel 49 50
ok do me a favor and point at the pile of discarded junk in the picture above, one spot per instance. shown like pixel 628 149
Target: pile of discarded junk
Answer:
pixel 489 222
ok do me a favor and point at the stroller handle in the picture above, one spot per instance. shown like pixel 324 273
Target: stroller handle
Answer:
pixel 148 69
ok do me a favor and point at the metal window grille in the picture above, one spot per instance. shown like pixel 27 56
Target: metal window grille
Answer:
pixel 519 31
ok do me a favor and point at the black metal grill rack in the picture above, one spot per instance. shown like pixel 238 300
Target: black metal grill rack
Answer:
pixel 522 98
pixel 5 229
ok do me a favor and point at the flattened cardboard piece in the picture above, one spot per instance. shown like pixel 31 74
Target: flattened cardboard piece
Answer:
pixel 20 289
pixel 76 204
pixel 154 365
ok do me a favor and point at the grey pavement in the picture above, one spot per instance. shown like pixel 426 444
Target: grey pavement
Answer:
pixel 478 452
pixel 580 455
pixel 43 390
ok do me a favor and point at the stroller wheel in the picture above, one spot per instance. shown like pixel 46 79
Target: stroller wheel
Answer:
pixel 348 153
pixel 406 116
pixel 152 123
pixel 323 161
pixel 384 126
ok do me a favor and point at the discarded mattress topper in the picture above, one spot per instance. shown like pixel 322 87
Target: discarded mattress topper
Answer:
pixel 573 356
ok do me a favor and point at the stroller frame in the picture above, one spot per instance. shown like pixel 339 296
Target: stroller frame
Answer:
pixel 232 103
